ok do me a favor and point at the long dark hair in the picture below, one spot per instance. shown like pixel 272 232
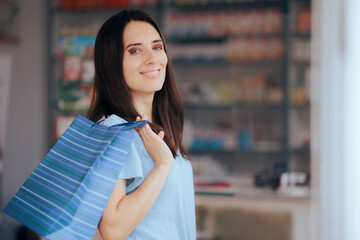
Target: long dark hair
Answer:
pixel 113 96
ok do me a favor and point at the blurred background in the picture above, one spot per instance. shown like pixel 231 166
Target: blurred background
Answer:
pixel 243 69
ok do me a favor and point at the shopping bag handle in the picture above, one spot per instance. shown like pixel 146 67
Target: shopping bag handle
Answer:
pixel 127 125
pixel 130 125
pixel 100 121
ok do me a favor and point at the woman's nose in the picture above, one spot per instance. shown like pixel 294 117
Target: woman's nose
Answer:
pixel 150 57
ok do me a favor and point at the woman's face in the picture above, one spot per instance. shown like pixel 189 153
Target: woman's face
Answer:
pixel 145 60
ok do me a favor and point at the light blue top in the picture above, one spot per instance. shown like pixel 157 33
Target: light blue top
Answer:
pixel 172 217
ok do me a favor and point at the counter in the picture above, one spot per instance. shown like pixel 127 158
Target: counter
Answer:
pixel 243 211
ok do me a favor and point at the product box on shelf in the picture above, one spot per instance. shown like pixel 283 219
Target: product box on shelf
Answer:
pixel 74 83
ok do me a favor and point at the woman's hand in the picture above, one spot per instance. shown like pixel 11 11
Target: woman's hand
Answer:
pixel 155 145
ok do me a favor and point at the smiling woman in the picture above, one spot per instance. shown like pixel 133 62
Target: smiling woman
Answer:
pixel 145 60
pixel 154 194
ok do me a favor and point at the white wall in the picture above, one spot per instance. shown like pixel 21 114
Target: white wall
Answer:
pixel 335 117
pixel 27 123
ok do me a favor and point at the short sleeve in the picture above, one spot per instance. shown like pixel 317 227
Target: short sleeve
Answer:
pixel 132 168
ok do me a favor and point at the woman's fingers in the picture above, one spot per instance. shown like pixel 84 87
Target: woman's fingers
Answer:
pixel 144 130
pixel 138 128
pixel 154 144
pixel 161 134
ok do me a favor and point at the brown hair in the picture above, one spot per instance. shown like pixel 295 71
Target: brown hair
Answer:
pixel 111 93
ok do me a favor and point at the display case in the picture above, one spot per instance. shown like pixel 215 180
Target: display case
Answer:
pixel 242 68
pixel 299 85
pixel 231 63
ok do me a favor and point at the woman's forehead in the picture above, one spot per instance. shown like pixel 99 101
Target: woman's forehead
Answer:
pixel 140 32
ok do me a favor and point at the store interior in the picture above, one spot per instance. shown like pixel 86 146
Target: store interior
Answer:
pixel 243 71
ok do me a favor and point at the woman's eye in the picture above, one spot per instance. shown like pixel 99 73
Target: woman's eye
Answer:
pixel 158 47
pixel 133 51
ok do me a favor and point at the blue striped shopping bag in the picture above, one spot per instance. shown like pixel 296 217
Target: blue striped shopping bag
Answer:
pixel 65 195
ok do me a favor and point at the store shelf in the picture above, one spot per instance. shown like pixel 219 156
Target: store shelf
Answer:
pixel 214 192
pixel 236 106
pixel 301 35
pixel 100 11
pixel 225 5
pixel 222 68
pixel 199 62
pixel 301 151
pixel 243 186
pixel 199 106
pixel 241 55
pixel 224 62
pixel 301 107
pixel 301 63
pixel 238 151
pixel 220 39
pixel 197 40
pixel 193 151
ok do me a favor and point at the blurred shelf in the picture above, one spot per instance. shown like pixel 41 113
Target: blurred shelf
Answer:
pixel 209 150
pixel 301 1
pixel 101 11
pixel 305 36
pixel 197 40
pixel 219 151
pixel 301 151
pixel 205 106
pixel 71 112
pixel 220 39
pixel 61 12
pixel 302 63
pixel 300 106
pixel 79 83
pixel 214 192
pixel 243 186
pixel 229 5
pixel 265 152
pixel 219 61
pixel 224 62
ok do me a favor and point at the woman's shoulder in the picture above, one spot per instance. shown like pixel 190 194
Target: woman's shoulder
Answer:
pixel 182 162
pixel 112 120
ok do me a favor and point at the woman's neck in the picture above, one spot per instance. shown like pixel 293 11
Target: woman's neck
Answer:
pixel 143 105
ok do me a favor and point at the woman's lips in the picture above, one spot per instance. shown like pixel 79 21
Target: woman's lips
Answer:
pixel 152 74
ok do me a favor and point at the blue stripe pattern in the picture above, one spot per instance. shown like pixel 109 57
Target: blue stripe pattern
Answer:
pixel 66 194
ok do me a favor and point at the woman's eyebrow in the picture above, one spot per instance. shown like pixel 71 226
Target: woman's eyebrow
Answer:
pixel 137 44
pixel 159 40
